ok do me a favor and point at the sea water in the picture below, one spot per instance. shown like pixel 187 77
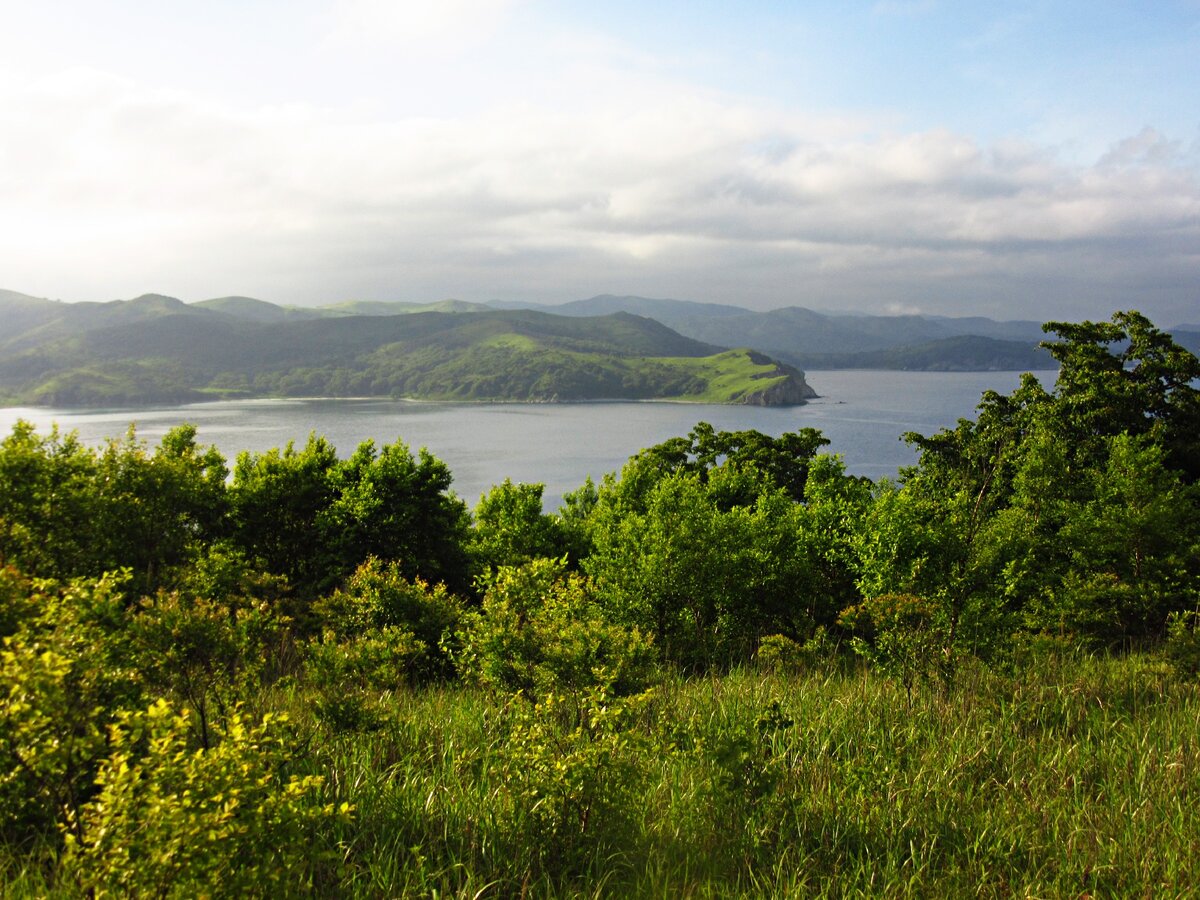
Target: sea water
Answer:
pixel 863 413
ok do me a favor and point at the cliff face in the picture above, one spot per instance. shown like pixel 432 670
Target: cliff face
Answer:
pixel 792 390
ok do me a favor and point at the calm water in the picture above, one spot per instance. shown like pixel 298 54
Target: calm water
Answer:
pixel 862 413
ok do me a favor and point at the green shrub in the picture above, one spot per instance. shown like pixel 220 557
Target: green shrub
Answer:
pixel 781 654
pixel 904 636
pixel 209 654
pixel 572 770
pixel 380 612
pixel 174 821
pixel 540 630
pixel 1183 642
pixel 62 680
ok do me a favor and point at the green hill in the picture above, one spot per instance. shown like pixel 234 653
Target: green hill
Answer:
pixel 158 349
pixel 810 339
pixel 963 353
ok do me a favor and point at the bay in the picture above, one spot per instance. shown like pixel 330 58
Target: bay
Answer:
pixel 863 413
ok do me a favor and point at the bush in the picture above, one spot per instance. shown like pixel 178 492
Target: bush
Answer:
pixel 61 681
pixel 572 773
pixel 386 629
pixel 1183 642
pixel 904 636
pixel 173 821
pixel 780 654
pixel 540 630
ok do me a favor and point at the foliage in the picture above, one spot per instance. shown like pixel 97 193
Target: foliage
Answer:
pixel 314 519
pixel 62 680
pixel 395 506
pixel 906 637
pixel 740 464
pixel 1183 642
pixel 1147 387
pixel 206 654
pixel 780 654
pixel 705 581
pixel 276 498
pixel 572 771
pixel 540 630
pixel 172 820
pixel 382 630
pixel 68 511
pixel 510 528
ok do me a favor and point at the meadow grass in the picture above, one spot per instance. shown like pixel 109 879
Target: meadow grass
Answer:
pixel 1078 778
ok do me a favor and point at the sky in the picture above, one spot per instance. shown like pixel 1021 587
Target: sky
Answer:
pixel 1018 160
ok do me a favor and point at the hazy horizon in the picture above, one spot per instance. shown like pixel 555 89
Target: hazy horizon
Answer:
pixel 1031 162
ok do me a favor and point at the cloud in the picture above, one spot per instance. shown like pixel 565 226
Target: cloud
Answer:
pixel 111 188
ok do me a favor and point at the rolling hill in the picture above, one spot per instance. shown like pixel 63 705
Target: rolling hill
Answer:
pixel 814 340
pixel 158 349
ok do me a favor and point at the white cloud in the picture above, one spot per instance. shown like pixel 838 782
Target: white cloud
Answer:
pixel 110 189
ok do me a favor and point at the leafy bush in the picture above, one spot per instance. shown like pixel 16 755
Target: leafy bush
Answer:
pixel 572 771
pixel 208 653
pixel 174 821
pixel 510 527
pixel 61 681
pixel 383 629
pixel 540 630
pixel 1183 642
pixel 781 654
pixel 904 636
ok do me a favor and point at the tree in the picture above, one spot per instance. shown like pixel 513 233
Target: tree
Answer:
pixel 391 505
pixel 706 581
pixel 276 499
pixel 510 528
pixel 748 460
pixel 67 510
pixel 1134 549
pixel 1147 386
pixel 46 502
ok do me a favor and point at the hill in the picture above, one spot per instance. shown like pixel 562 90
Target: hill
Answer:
pixel 962 353
pixel 810 339
pixel 158 349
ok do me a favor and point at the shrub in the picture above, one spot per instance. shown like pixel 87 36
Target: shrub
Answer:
pixel 386 629
pixel 540 630
pixel 572 773
pixel 904 636
pixel 61 681
pixel 781 654
pixel 1183 642
pixel 173 821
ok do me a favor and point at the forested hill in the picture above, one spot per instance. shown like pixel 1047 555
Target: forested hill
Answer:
pixel 819 340
pixel 159 349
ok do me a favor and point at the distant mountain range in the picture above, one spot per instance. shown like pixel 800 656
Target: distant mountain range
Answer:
pixel 813 340
pixel 158 349
pixel 822 340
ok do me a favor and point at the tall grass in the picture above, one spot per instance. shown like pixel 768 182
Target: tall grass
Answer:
pixel 1078 777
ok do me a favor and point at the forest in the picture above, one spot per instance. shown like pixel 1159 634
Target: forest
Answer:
pixel 157 349
pixel 730 669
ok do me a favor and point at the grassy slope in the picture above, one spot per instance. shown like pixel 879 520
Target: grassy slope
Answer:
pixel 1079 777
pixel 1076 777
pixel 728 376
